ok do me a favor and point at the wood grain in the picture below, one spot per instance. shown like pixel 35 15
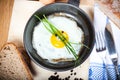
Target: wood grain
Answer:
pixel 5 16
pixel 83 2
pixel 106 9
pixel 16 36
pixel 6 12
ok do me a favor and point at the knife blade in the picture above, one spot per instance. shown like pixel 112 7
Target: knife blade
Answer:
pixel 111 48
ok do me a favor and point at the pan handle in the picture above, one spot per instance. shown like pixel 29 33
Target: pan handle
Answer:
pixel 74 2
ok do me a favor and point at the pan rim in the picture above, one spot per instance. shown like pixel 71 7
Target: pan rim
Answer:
pixel 24 38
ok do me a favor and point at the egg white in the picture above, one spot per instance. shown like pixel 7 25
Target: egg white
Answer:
pixel 41 38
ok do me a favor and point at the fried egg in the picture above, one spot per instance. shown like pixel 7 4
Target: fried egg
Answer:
pixel 49 46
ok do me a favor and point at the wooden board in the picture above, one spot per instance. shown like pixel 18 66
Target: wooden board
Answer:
pixel 21 13
pixel 5 16
pixel 106 9
pixel 11 30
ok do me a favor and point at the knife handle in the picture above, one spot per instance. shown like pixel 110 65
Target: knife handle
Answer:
pixel 117 72
pixel 118 76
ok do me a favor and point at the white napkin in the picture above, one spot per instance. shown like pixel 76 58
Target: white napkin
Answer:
pixel 97 70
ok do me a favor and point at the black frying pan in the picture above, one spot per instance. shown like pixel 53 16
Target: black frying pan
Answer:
pixel 82 21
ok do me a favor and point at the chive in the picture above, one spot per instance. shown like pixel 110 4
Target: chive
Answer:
pixel 53 30
pixel 43 21
pixel 80 44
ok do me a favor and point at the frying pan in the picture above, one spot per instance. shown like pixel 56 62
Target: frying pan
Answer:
pixel 83 22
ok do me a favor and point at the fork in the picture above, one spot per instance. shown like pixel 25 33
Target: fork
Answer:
pixel 100 39
pixel 101 45
pixel 99 30
pixel 100 36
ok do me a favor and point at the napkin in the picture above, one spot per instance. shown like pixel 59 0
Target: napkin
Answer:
pixel 99 60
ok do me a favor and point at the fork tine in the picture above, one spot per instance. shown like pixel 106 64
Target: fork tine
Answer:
pixel 97 42
pixel 103 36
pixel 100 41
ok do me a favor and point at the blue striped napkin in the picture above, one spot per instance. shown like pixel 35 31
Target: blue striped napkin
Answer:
pixel 97 69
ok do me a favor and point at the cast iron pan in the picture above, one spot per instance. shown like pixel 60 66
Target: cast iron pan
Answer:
pixel 82 21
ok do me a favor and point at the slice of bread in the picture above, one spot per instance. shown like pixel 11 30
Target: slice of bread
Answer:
pixel 12 64
pixel 25 56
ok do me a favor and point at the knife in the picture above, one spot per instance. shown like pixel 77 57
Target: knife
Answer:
pixel 111 48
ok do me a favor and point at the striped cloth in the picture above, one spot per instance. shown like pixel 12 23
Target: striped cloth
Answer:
pixel 97 69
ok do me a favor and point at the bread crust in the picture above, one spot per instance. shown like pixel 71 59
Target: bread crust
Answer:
pixel 25 67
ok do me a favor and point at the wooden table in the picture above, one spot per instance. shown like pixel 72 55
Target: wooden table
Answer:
pixel 5 16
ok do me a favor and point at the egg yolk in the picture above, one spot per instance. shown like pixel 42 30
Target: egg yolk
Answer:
pixel 56 42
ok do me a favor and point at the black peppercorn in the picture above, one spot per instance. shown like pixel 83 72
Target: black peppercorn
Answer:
pixel 76 79
pixel 62 31
pixel 75 73
pixel 68 76
pixel 55 73
pixel 71 70
pixel 71 74
pixel 55 34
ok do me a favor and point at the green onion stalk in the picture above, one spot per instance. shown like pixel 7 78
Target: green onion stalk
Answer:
pixel 53 30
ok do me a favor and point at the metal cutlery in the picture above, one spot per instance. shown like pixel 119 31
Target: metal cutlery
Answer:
pixel 111 48
pixel 101 46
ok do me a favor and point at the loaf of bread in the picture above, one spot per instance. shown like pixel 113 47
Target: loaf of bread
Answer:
pixel 12 64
